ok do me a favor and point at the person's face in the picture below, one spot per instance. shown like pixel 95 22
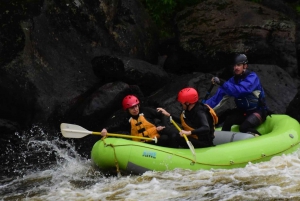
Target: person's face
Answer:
pixel 238 69
pixel 184 105
pixel 134 110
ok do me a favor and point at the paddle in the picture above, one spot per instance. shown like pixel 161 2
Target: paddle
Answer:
pixel 75 131
pixel 186 139
pixel 207 93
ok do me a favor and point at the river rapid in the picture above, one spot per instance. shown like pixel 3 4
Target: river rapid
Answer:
pixel 70 176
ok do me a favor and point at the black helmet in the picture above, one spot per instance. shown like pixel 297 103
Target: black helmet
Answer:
pixel 241 59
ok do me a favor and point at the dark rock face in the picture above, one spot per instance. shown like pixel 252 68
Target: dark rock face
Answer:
pixel 118 26
pixel 18 98
pixel 293 108
pixel 93 109
pixel 214 31
pixel 51 53
pixel 281 6
pixel 132 71
pixel 11 36
pixel 280 88
pixel 175 58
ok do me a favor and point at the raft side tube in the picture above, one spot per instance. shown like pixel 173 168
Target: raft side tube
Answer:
pixel 222 137
pixel 134 168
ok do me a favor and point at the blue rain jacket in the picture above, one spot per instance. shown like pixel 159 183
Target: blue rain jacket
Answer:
pixel 241 88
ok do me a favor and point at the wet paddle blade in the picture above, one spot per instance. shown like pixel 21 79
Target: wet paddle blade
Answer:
pixel 191 147
pixel 73 131
pixel 186 139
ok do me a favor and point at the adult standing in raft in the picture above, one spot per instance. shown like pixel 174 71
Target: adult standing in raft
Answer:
pixel 249 97
pixel 198 120
pixel 141 122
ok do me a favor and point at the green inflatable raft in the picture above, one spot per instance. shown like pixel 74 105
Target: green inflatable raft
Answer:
pixel 280 135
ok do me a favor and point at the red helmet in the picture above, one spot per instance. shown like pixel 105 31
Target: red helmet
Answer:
pixel 188 95
pixel 130 101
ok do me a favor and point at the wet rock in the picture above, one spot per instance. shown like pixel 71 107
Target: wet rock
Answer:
pixel 280 88
pixel 176 60
pixel 11 36
pixel 18 96
pixel 49 48
pixel 293 108
pixel 281 6
pixel 213 31
pixel 93 110
pixel 132 71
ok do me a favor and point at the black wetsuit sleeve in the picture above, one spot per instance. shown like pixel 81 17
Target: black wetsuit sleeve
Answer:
pixel 203 127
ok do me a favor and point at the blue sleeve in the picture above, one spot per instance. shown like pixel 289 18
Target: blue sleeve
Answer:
pixel 215 99
pixel 245 86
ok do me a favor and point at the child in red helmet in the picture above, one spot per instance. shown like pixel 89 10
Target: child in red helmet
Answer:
pixel 141 122
pixel 197 120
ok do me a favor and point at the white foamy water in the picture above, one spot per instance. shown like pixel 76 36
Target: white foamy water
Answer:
pixel 74 178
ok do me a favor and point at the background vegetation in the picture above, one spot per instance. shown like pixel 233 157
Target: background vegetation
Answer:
pixel 163 12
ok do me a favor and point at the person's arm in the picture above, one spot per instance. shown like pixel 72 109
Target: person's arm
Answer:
pixel 215 99
pixel 167 114
pixel 152 115
pixel 247 85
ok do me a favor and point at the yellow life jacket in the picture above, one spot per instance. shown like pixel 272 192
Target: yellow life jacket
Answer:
pixel 143 128
pixel 188 128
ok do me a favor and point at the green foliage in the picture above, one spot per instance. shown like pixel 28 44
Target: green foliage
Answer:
pixel 295 6
pixel 298 8
pixel 163 12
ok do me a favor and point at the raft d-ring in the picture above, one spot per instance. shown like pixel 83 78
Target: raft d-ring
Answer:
pixel 263 155
pixel 192 163
pixel 231 162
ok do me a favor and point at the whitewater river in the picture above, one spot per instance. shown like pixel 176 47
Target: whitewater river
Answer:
pixel 73 177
